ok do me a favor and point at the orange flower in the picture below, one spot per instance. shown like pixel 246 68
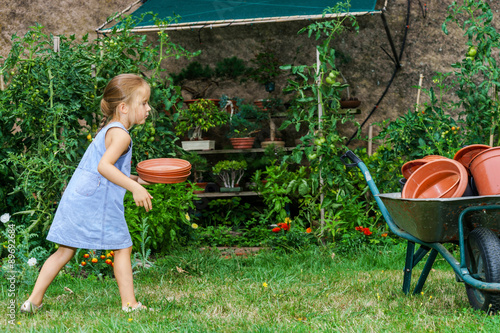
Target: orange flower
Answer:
pixel 108 261
pixel 83 263
pixel 112 253
pixel 277 229
pixel 308 230
pixel 358 228
pixel 86 255
pixel 94 260
pixel 384 234
pixel 103 256
pixel 367 232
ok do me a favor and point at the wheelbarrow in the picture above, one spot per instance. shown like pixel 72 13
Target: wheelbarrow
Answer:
pixel 471 222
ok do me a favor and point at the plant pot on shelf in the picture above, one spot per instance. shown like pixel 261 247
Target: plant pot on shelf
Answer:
pixel 242 143
pixel 230 189
pixel 276 143
pixel 202 185
pixel 350 103
pixel 198 145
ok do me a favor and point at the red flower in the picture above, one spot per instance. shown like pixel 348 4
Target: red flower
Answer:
pixel 358 228
pixel 285 226
pixel 108 261
pixel 367 232
pixel 308 230
pixel 277 229
pixel 86 255
pixel 103 256
pixel 83 263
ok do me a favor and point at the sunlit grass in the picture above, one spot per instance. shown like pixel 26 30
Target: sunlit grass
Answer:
pixel 269 292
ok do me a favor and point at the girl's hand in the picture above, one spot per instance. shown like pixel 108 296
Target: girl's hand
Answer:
pixel 142 181
pixel 142 198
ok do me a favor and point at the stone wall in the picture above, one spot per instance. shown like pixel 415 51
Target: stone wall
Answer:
pixel 366 66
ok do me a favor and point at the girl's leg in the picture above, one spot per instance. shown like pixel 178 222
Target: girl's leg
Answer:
pixel 49 271
pixel 123 275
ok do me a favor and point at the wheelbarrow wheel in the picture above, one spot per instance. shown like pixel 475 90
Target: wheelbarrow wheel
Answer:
pixel 482 256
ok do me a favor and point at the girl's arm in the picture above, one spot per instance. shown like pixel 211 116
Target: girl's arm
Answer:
pixel 117 142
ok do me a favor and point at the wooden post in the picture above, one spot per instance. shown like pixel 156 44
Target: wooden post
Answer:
pixel 370 140
pixel 2 84
pixel 320 114
pixel 57 43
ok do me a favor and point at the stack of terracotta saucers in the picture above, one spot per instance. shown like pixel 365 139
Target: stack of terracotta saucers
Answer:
pixel 164 170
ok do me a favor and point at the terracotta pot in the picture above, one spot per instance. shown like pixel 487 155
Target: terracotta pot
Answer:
pixel 242 143
pixel 202 186
pixel 484 169
pixel 466 154
pixel 442 178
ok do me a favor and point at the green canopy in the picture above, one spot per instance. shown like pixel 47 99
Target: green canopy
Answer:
pixel 204 13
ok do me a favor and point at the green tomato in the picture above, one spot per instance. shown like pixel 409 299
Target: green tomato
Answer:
pixel 144 139
pixel 151 138
pixel 333 74
pixel 472 51
pixel 469 58
pixel 329 80
pixel 312 156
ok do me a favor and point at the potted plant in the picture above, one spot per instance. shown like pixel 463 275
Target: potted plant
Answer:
pixel 230 173
pixel 199 164
pixel 349 102
pixel 268 68
pixel 243 124
pixel 198 117
pixel 272 106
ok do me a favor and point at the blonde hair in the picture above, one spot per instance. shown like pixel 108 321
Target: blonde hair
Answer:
pixel 122 88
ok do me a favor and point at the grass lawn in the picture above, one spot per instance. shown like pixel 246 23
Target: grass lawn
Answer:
pixel 310 291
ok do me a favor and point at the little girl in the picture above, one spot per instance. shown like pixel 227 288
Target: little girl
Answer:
pixel 90 214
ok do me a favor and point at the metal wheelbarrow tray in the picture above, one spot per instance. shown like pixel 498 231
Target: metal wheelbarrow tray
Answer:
pixel 471 222
pixel 436 220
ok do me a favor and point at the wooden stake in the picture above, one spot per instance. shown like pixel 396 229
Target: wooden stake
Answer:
pixel 418 92
pixel 370 140
pixel 2 84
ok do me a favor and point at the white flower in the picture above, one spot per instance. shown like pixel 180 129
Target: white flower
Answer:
pixel 5 218
pixel 32 262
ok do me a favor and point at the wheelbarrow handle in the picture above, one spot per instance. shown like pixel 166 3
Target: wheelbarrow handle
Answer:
pixel 349 155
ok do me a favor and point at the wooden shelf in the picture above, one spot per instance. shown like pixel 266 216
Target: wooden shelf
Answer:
pixel 236 151
pixel 227 194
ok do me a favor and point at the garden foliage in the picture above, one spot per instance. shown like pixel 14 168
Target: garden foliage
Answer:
pixel 50 112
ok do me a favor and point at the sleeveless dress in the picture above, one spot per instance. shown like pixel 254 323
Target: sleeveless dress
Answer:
pixel 90 214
